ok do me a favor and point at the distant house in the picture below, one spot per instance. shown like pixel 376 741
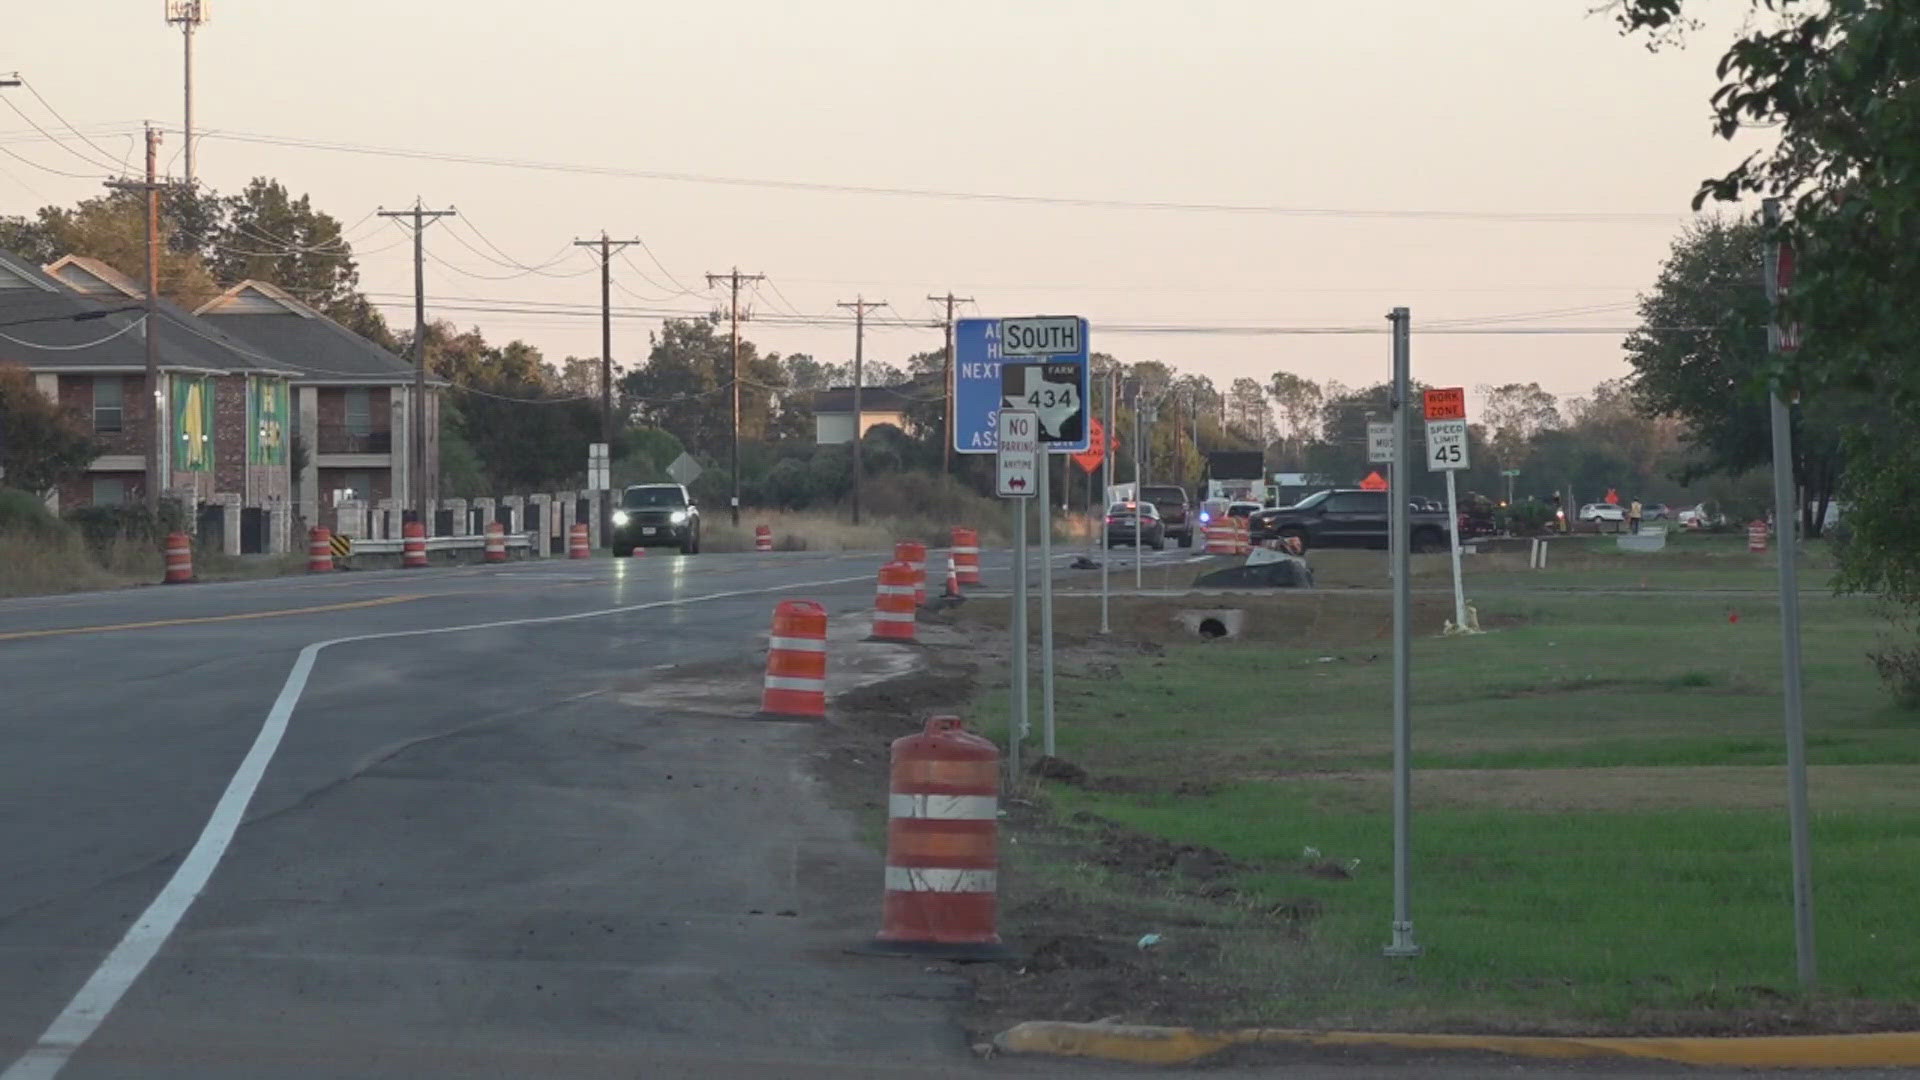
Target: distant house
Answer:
pixel 352 403
pixel 79 328
pixel 833 408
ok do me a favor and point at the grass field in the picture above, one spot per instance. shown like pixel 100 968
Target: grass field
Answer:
pixel 1600 837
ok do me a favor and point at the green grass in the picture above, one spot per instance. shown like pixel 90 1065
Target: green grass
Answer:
pixel 1599 834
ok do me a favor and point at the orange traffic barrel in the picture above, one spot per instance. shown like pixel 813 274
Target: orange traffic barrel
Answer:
pixel 943 858
pixel 1757 536
pixel 966 555
pixel 914 554
pixel 893 604
pixel 1219 536
pixel 796 661
pixel 413 546
pixel 762 538
pixel 577 547
pixel 496 544
pixel 1242 536
pixel 179 559
pixel 319 550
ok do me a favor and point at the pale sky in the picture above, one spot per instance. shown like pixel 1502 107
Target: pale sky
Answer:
pixel 1484 107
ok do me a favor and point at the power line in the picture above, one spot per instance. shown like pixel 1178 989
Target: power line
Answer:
pixel 110 165
pixel 55 113
pixel 1084 202
pixel 141 321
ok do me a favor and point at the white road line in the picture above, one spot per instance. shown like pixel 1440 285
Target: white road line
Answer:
pixel 137 948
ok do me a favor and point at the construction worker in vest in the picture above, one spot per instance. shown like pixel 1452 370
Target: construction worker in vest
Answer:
pixel 1633 516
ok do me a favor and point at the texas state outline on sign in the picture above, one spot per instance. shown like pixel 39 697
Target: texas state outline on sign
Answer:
pixel 1052 391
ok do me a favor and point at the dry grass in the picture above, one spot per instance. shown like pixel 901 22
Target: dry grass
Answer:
pixel 1626 788
pixel 36 566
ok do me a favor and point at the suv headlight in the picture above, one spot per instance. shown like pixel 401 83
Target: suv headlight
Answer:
pixel 679 517
pixel 620 517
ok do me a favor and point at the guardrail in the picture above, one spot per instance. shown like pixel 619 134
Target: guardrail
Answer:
pixel 440 543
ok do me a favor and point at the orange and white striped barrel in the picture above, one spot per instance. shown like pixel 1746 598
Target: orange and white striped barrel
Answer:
pixel 914 554
pixel 1219 535
pixel 496 549
pixel 413 546
pixel 762 538
pixel 953 579
pixel 966 555
pixel 1757 536
pixel 1242 536
pixel 319 550
pixel 893 604
pixel 943 857
pixel 796 661
pixel 179 553
pixel 577 547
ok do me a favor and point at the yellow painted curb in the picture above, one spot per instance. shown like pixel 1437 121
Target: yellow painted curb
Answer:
pixel 1142 1045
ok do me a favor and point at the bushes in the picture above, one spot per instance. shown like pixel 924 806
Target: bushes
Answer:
pixel 1899 668
pixel 103 526
pixel 23 514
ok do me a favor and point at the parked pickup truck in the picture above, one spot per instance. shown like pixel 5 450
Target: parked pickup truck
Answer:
pixel 1351 518
pixel 1175 512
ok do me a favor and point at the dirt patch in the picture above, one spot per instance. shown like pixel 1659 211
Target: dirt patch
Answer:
pixel 1308 618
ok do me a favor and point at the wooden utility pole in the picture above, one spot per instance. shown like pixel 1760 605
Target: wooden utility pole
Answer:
pixel 607 248
pixel 860 306
pixel 733 279
pixel 946 426
pixel 423 505
pixel 150 325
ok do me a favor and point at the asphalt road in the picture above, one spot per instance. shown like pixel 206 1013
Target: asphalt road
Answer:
pixel 466 855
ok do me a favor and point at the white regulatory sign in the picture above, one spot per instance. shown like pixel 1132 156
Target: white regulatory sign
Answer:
pixel 1017 458
pixel 1054 336
pixel 1379 442
pixel 1446 445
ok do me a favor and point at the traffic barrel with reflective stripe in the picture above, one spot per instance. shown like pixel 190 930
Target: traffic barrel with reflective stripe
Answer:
pixel 1219 536
pixel 762 538
pixel 577 547
pixel 796 661
pixel 496 549
pixel 319 550
pixel 893 604
pixel 914 554
pixel 1757 536
pixel 179 553
pixel 1242 536
pixel 943 857
pixel 966 555
pixel 413 546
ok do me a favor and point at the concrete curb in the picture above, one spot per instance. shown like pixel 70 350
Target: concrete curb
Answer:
pixel 1143 1045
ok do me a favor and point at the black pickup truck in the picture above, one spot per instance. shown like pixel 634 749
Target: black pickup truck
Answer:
pixel 1175 512
pixel 1351 518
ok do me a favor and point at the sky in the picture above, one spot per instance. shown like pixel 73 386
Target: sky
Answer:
pixel 1309 165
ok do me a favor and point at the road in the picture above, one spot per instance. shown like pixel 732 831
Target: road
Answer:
pixel 456 848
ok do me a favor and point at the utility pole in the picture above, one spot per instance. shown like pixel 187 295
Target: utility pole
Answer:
pixel 189 14
pixel 150 327
pixel 733 279
pixel 859 304
pixel 946 426
pixel 607 248
pixel 422 217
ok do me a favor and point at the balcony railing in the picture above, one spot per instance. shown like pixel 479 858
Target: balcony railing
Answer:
pixel 339 439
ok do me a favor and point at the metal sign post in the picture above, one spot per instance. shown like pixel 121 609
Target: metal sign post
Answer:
pixel 1017 451
pixel 1046 604
pixel 1786 512
pixel 1402 943
pixel 1447 452
pixel 1106 491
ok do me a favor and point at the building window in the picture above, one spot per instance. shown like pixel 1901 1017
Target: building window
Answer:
pixel 109 491
pixel 359 412
pixel 108 407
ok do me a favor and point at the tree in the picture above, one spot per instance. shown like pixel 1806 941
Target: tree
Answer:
pixel 1701 355
pixel 1514 413
pixel 113 229
pixel 41 444
pixel 1299 400
pixel 685 386
pixel 1247 410
pixel 507 412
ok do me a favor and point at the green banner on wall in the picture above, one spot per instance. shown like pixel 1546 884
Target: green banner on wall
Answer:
pixel 192 401
pixel 267 422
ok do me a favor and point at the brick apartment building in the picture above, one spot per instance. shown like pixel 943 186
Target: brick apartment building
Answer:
pixel 223 408
pixel 352 401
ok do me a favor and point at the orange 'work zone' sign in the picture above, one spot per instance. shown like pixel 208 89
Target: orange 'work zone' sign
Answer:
pixel 1374 482
pixel 1447 403
pixel 1090 458
pixel 1613 497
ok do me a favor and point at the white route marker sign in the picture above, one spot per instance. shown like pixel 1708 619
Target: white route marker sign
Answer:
pixel 1446 445
pixel 1017 461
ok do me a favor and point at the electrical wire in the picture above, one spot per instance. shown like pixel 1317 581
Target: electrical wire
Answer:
pixel 51 137
pixel 141 321
pixel 1517 216
pixel 508 261
pixel 655 259
pixel 10 152
pixel 672 290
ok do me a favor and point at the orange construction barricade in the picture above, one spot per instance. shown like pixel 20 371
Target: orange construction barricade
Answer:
pixel 179 559
pixel 577 547
pixel 762 538
pixel 893 604
pixel 966 555
pixel 914 554
pixel 319 550
pixel 496 549
pixel 413 546
pixel 796 661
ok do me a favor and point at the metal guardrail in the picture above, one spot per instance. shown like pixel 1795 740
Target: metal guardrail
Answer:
pixel 440 543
